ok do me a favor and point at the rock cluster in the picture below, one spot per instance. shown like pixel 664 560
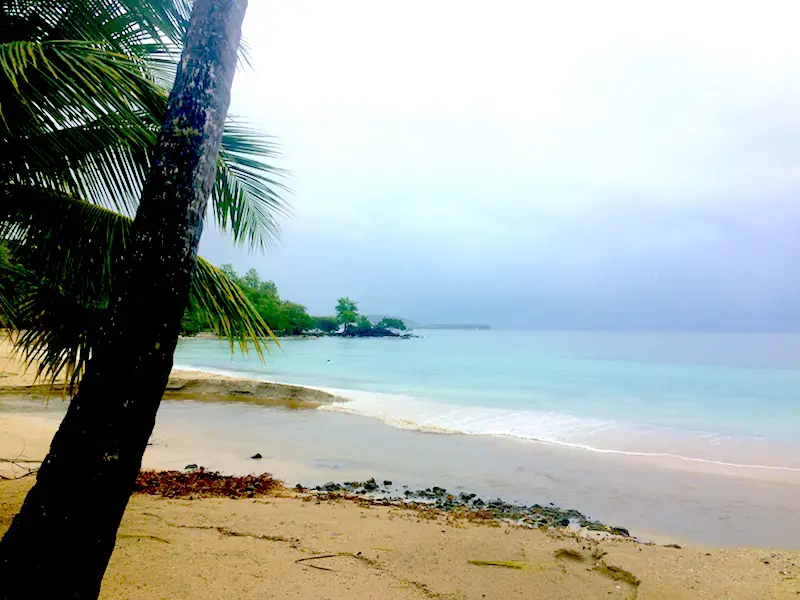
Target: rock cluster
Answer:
pixel 534 515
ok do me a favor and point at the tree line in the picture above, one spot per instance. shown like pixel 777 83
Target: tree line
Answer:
pixel 284 317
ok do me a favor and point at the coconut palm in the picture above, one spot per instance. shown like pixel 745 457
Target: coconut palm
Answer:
pixel 59 543
pixel 85 85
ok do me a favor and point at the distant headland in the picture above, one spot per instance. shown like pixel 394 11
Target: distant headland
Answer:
pixel 455 326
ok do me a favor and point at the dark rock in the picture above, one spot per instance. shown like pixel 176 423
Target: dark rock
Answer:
pixel 478 503
pixel 387 483
pixel 619 531
pixel 256 456
pixel 678 546
pixel 439 492
pixel 465 498
pixel 563 522
pixel 331 487
pixel 299 488
pixel 371 485
pixel 191 467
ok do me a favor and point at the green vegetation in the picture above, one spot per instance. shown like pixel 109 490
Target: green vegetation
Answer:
pixel 357 325
pixel 282 316
pixel 346 313
pixel 289 318
pixel 326 324
pixel 85 86
pixel 391 323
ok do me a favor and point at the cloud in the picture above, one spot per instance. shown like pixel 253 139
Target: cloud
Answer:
pixel 602 165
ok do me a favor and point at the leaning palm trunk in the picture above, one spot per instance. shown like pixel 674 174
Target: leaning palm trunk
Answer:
pixel 59 544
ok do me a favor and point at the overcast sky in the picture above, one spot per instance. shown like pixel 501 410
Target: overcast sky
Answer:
pixel 535 164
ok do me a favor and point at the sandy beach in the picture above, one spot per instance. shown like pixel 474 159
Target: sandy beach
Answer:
pixel 265 547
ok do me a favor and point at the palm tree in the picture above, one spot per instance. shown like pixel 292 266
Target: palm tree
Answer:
pixel 59 544
pixel 85 85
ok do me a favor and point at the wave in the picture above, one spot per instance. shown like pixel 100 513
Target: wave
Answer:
pixel 584 433
pixel 579 432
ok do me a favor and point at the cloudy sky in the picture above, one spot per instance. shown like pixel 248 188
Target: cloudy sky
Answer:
pixel 573 164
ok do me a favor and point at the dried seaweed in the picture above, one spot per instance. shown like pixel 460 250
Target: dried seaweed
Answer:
pixel 200 483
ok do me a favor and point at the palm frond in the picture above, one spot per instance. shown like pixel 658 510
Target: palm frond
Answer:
pixel 8 297
pixel 56 84
pixel 86 87
pixel 106 159
pixel 103 155
pixel 247 193
pixel 71 244
pixel 57 335
pixel 69 249
pixel 122 23
pixel 74 97
pixel 227 310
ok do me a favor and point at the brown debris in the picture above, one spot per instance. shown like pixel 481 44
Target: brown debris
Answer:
pixel 204 484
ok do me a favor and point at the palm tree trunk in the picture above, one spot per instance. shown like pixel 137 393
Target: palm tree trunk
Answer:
pixel 59 544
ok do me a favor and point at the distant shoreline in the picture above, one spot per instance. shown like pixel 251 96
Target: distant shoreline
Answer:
pixel 209 335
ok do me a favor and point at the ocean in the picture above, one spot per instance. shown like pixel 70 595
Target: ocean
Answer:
pixel 683 438
pixel 727 399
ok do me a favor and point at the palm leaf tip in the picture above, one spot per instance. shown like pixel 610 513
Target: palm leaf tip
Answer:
pixel 248 193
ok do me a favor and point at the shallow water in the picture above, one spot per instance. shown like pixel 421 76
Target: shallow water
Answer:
pixel 723 398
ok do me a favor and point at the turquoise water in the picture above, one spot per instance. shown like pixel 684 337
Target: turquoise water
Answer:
pixel 726 398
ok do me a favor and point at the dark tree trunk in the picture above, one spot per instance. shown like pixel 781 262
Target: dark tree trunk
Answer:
pixel 59 544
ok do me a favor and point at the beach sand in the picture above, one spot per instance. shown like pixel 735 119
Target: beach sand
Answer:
pixel 259 548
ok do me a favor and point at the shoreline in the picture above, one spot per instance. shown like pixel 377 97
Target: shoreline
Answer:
pixel 198 384
pixel 207 385
pixel 338 400
pixel 716 511
pixel 221 427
